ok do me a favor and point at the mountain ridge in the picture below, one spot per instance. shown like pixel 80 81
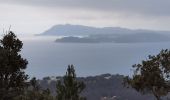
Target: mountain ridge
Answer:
pixel 81 30
pixel 87 34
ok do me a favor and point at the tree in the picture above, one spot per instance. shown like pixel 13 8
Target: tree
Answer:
pixel 12 66
pixel 69 88
pixel 152 75
pixel 34 92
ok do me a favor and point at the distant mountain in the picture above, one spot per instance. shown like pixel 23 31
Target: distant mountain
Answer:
pixel 72 39
pixel 128 38
pixel 101 87
pixel 80 30
pixel 86 34
pixel 142 37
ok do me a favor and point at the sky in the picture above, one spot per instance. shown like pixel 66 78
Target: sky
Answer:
pixel 36 16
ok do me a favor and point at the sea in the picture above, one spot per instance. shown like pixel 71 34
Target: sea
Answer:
pixel 48 58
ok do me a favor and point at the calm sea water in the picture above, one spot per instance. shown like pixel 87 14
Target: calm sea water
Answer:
pixel 47 58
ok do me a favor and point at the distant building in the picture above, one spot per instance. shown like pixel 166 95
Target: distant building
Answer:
pixel 109 98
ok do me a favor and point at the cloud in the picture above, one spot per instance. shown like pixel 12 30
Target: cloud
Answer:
pixel 35 16
pixel 141 7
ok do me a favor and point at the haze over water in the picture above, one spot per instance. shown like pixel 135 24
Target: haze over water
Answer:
pixel 47 58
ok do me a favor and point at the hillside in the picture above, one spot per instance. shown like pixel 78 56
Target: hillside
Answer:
pixel 100 87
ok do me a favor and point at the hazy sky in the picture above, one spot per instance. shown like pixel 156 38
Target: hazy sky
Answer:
pixel 35 16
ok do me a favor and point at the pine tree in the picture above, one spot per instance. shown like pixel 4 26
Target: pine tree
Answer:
pixel 34 92
pixel 12 66
pixel 152 75
pixel 69 88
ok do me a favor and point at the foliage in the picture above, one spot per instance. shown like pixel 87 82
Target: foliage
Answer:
pixel 69 88
pixel 152 75
pixel 12 65
pixel 13 85
pixel 34 92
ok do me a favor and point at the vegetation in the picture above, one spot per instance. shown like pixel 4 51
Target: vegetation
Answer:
pixel 69 88
pixel 34 92
pixel 12 65
pixel 100 86
pixel 152 75
pixel 14 83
